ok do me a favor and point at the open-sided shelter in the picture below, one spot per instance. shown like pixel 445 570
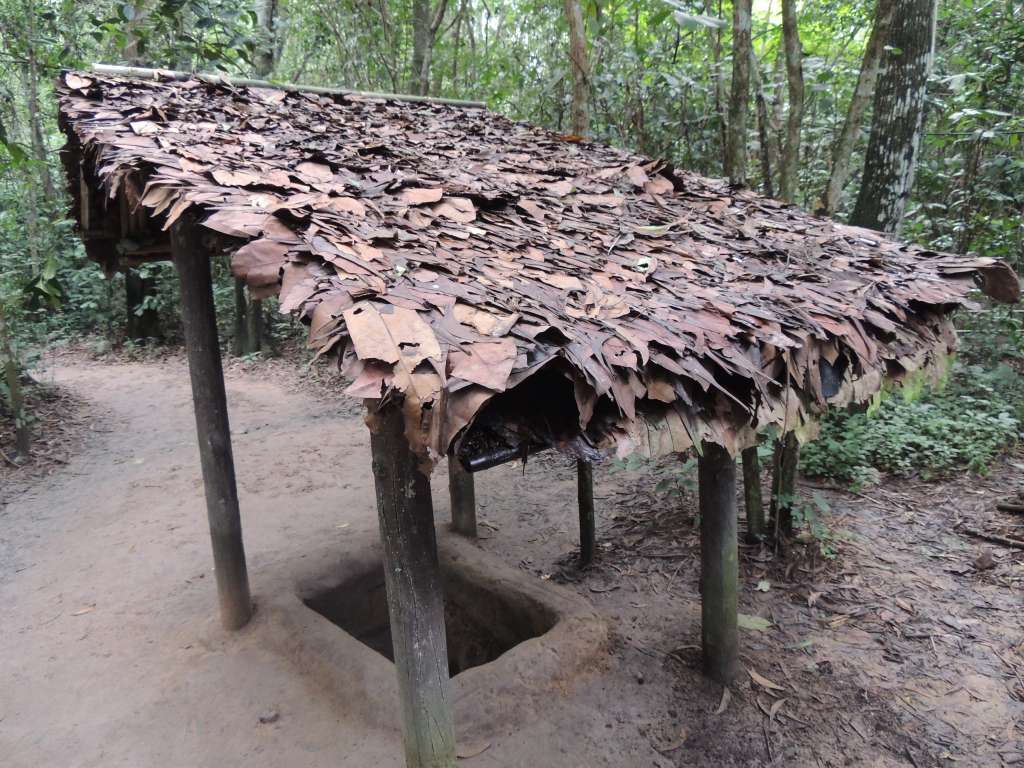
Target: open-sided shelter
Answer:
pixel 490 289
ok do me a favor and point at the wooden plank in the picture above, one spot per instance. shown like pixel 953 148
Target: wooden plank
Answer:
pixel 413 580
pixel 211 411
pixel 462 492
pixel 716 471
pixel 588 522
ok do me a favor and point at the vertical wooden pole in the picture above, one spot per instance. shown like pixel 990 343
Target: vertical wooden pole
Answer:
pixel 752 501
pixel 413 581
pixel 211 410
pixel 585 495
pixel 716 473
pixel 462 492
pixel 785 464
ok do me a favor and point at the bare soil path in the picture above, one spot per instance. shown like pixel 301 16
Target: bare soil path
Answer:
pixel 900 651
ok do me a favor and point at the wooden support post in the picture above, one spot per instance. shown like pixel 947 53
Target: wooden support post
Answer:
pixel 716 473
pixel 413 580
pixel 585 495
pixel 211 410
pixel 462 493
pixel 785 463
pixel 752 500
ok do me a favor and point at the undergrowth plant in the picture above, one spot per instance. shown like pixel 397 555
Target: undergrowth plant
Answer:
pixel 966 424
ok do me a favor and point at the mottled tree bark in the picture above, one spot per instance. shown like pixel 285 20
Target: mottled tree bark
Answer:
pixel 789 172
pixel 765 131
pixel 842 153
pixel 580 66
pixel 739 98
pixel 266 17
pixel 898 120
pixel 35 120
pixel 426 21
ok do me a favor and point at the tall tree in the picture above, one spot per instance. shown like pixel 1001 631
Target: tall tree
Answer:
pixel 765 130
pixel 735 165
pixel 580 65
pixel 426 21
pixel 898 120
pixel 266 18
pixel 35 119
pixel 842 153
pixel 788 173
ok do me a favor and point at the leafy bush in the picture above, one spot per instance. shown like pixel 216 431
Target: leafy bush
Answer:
pixel 968 423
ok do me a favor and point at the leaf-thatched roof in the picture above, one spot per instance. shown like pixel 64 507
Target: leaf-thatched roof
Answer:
pixel 540 288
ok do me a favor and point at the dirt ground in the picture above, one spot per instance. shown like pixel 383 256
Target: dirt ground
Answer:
pixel 904 649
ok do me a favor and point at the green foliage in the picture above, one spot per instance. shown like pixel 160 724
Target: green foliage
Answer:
pixel 967 424
pixel 670 477
pixel 809 518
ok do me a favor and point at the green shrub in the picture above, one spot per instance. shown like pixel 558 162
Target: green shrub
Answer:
pixel 967 424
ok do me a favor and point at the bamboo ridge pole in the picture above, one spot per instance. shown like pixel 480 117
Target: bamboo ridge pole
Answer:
pixel 213 78
pixel 212 428
pixel 413 580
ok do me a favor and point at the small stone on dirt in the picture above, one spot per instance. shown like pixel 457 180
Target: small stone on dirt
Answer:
pixel 272 716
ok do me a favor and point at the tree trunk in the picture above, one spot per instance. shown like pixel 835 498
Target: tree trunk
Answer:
pixel 426 21
pixel 764 127
pixel 266 11
pixel 715 36
pixel 132 52
pixel 39 150
pixel 22 436
pixel 580 65
pixel 843 151
pixel 898 120
pixel 739 98
pixel 789 172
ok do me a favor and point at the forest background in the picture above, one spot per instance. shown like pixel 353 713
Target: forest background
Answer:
pixel 810 101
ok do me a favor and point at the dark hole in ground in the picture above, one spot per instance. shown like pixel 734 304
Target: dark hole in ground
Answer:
pixel 481 621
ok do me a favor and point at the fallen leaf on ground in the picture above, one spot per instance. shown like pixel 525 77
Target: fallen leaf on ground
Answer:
pixel 474 748
pixel 746 621
pixel 763 681
pixel 724 703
